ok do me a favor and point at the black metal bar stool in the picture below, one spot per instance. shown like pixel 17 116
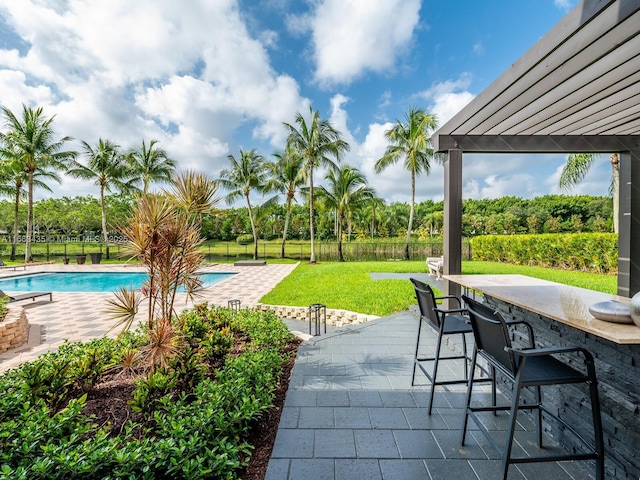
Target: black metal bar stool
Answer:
pixel 317 315
pixel 529 367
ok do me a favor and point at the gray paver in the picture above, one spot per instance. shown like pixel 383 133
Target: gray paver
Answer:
pixel 293 443
pixel 358 469
pixel 417 444
pixel 315 468
pixel 376 444
pixel 334 444
pixel 403 469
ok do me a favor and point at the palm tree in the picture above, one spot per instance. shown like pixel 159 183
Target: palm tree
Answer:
pixel 108 167
pixel 316 142
pixel 348 190
pixel 577 167
pixel 412 141
pixel 288 175
pixel 13 181
pixel 248 172
pixel 30 142
pixel 151 165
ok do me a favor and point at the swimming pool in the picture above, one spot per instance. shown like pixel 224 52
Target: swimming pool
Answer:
pixel 87 282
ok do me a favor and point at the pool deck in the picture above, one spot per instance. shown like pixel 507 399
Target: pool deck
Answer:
pixel 81 316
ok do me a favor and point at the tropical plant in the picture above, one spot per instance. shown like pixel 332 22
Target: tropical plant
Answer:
pixel 151 164
pixel 248 172
pixel 410 140
pixel 195 193
pixel 30 141
pixel 316 142
pixel 13 180
pixel 348 191
pixel 165 240
pixel 577 167
pixel 107 166
pixel 287 177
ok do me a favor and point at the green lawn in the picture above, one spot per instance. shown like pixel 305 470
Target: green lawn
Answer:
pixel 349 286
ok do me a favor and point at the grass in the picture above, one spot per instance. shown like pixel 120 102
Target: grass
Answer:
pixel 349 286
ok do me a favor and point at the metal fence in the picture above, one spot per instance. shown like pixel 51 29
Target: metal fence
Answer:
pixel 228 251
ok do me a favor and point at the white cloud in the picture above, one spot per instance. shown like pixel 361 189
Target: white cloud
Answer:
pixel 478 48
pixel 188 77
pixel 351 37
pixel 564 5
pixel 448 98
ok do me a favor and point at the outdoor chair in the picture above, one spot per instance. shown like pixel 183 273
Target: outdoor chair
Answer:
pixel 14 267
pixel 445 322
pixel 435 266
pixel 26 296
pixel 529 367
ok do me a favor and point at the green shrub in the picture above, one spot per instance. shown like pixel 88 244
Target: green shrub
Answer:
pixel 195 420
pixel 246 239
pixel 588 252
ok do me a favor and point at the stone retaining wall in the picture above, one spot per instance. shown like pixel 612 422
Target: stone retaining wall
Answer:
pixel 336 318
pixel 14 329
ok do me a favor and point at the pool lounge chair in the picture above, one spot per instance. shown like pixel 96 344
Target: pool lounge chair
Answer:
pixel 25 296
pixel 15 267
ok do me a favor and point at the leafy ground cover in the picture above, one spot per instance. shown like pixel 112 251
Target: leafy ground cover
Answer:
pixel 349 285
pixel 91 411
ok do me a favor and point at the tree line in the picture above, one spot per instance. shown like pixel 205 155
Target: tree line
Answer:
pixel 342 205
pixel 80 216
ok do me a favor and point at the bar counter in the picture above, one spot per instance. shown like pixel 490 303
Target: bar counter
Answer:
pixel 563 303
pixel 560 315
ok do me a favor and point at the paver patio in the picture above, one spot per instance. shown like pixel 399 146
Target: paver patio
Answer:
pixel 351 413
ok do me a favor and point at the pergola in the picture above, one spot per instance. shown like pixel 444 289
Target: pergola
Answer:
pixel 577 90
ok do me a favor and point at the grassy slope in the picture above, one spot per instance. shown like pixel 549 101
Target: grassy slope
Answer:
pixel 348 285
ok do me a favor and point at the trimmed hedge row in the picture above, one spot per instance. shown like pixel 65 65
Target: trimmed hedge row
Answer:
pixel 588 252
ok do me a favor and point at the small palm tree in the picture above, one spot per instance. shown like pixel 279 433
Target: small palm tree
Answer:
pixel 577 167
pixel 348 191
pixel 248 172
pixel 288 175
pixel 410 140
pixel 30 141
pixel 108 167
pixel 317 142
pixel 151 165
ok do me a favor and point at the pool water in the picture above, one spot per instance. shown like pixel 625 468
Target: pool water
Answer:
pixel 87 282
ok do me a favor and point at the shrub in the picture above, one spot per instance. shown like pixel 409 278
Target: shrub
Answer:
pixel 195 420
pixel 589 252
pixel 246 239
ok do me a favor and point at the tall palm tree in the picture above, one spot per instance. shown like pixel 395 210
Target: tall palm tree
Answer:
pixel 288 175
pixel 108 168
pixel 30 141
pixel 316 142
pixel 248 172
pixel 348 190
pixel 412 141
pixel 577 167
pixel 151 165
pixel 14 179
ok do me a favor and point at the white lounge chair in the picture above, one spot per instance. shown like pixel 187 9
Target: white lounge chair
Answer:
pixel 435 266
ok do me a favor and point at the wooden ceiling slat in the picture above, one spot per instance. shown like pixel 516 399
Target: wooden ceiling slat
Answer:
pixel 609 122
pixel 569 56
pixel 591 44
pixel 580 99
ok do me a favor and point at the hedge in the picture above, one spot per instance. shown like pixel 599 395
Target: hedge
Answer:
pixel 588 252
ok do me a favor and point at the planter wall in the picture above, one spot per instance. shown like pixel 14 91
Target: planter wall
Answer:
pixel 14 329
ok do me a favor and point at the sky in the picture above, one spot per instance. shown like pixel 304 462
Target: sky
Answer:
pixel 206 78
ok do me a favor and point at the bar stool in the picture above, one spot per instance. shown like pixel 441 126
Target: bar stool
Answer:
pixel 530 367
pixel 445 322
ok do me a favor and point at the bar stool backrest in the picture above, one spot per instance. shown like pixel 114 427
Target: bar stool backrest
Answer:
pixel 426 302
pixel 491 334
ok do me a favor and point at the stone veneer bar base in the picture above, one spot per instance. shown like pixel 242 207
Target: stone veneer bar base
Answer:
pixel 618 370
pixel 14 329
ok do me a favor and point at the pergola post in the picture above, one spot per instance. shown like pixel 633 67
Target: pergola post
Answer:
pixel 453 218
pixel 629 231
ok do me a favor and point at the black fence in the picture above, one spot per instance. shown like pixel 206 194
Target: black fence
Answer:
pixel 228 251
